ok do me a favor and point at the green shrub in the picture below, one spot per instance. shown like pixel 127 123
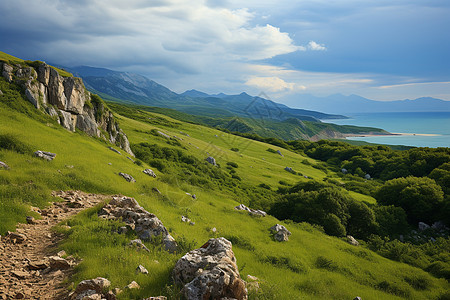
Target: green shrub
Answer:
pixel 232 164
pixel 234 149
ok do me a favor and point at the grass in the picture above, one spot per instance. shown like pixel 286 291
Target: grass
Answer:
pixel 311 265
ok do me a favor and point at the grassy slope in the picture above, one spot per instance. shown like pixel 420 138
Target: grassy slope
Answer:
pixel 349 271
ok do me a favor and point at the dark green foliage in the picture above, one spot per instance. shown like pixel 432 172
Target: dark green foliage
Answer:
pixel 392 288
pixel 234 149
pixel 265 186
pixel 232 164
pixel 324 263
pixel 326 205
pixel 418 282
pixel 11 142
pixel 240 242
pixel 391 220
pixel 271 150
pixel 284 262
pixel 421 198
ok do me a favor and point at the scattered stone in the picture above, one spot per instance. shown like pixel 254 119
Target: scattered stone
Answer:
pixel 185 219
pixel 133 285
pixel 115 150
pixel 352 241
pixel 150 172
pixel 141 269
pixel 289 169
pixel 252 283
pixel 90 289
pixel 38 265
pixel 423 226
pixel 163 134
pixel 130 159
pixel 16 238
pixel 69 166
pixel 3 165
pixel 31 220
pixel 45 155
pixel 211 160
pixel 156 190
pixel 146 225
pixel 58 263
pixel 35 209
pixel 214 229
pixel 1 93
pixel 255 212
pixel 21 274
pixel 357 298
pixel 139 245
pixel 280 233
pixel 344 171
pixel 110 296
pixel 439 225
pixel 279 152
pixel 157 298
pixel 210 272
pixel 127 177
pixel 61 253
pixel 367 176
pixel 122 230
pixel 117 291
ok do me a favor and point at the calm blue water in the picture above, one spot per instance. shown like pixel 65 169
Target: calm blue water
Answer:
pixel 423 123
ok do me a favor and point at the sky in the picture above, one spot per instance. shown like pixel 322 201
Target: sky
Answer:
pixel 378 49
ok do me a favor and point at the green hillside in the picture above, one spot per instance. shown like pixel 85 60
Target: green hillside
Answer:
pixel 311 265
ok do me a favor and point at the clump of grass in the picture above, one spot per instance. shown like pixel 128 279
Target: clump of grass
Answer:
pixel 392 288
pixel 13 143
pixel 240 242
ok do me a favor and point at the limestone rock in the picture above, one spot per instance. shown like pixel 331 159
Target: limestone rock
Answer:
pixel 7 72
pixel 3 165
pixel 210 272
pixel 114 150
pixel 352 241
pixel 87 124
pixel 127 177
pixel 423 226
pixel 163 134
pixel 255 212
pixel 90 289
pixel 280 233
pixel 289 169
pixel 133 285
pixel 146 225
pixel 38 265
pixel 138 244
pixel 21 274
pixel 1 93
pixel 157 298
pixel 58 263
pixel 31 220
pixel 16 237
pixel 150 172
pixel 45 155
pixel 279 152
pixel 141 269
pixel 211 160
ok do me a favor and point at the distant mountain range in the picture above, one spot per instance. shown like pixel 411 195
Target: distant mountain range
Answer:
pixel 137 89
pixel 340 104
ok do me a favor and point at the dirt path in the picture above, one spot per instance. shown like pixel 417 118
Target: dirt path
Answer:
pixel 31 269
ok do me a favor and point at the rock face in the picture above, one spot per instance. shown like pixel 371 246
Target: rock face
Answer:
pixel 255 212
pixel 210 272
pixel 67 100
pixel 280 233
pixel 146 225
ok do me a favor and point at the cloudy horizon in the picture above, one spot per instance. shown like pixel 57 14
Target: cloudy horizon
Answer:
pixel 381 50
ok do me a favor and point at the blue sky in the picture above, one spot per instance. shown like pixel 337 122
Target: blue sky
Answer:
pixel 382 50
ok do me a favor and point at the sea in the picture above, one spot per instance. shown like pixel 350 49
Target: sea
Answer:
pixel 424 129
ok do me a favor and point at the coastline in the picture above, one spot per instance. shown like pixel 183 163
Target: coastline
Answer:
pixel 373 134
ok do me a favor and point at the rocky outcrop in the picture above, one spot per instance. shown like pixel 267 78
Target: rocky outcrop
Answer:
pixel 150 172
pixel 280 233
pixel 127 177
pixel 210 272
pixel 211 160
pixel 45 155
pixel 67 100
pixel 255 212
pixel 352 241
pixel 145 224
pixel 91 289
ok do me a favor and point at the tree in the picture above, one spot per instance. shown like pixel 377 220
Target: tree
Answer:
pixel 420 197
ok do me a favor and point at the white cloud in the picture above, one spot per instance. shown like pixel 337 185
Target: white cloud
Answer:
pixel 273 84
pixel 315 47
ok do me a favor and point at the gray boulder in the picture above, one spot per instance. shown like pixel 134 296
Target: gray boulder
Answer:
pixel 150 172
pixel 127 177
pixel 255 212
pixel 146 225
pixel 210 272
pixel 211 160
pixel 4 165
pixel 423 226
pixel 279 152
pixel 91 289
pixel 45 155
pixel 352 241
pixel 280 233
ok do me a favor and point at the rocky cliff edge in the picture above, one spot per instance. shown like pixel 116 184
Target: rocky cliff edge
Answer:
pixel 67 100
